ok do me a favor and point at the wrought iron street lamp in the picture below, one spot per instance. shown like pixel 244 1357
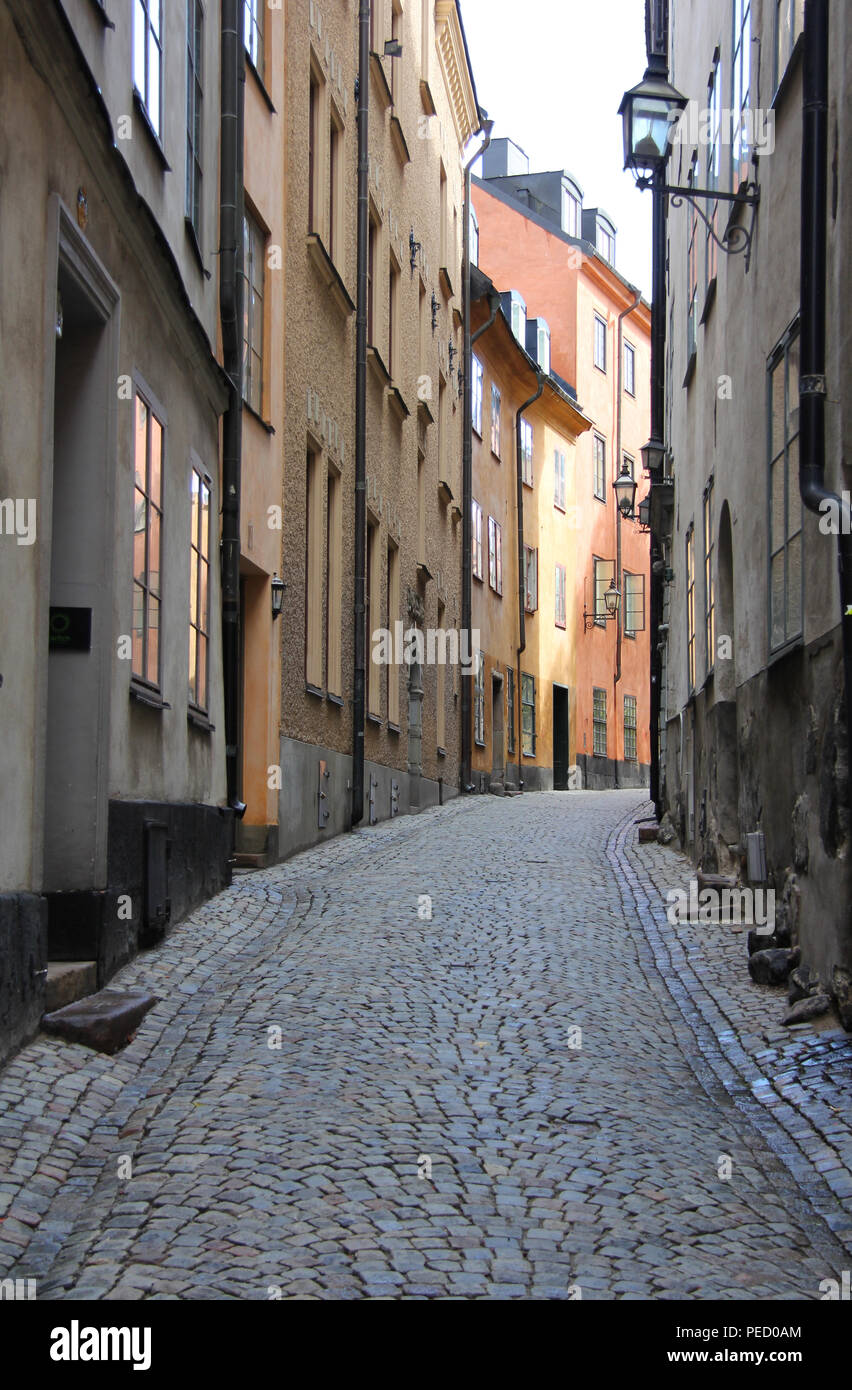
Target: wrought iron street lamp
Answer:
pixel 650 113
pixel 277 587
pixel 624 488
pixel 612 603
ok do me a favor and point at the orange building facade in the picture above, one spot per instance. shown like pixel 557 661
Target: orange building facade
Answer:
pixel 567 305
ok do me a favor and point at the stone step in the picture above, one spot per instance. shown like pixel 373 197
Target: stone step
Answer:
pixel 105 1021
pixel 243 860
pixel 69 980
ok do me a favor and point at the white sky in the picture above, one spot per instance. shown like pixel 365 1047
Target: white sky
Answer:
pixel 551 75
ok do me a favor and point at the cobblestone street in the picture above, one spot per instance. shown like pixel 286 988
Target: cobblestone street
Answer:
pixel 532 1094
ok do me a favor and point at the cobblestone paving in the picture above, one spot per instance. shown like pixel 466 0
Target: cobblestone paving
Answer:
pixel 532 1094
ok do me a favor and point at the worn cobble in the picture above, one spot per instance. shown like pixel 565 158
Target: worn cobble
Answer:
pixel 528 1095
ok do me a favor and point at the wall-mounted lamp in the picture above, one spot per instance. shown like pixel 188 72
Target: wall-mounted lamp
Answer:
pixel 612 603
pixel 435 307
pixel 650 113
pixel 653 456
pixel 624 488
pixel 414 249
pixel 643 513
pixel 277 587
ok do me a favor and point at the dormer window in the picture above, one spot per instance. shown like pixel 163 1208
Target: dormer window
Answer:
pixel 543 354
pixel 572 208
pixel 606 241
pixel 519 318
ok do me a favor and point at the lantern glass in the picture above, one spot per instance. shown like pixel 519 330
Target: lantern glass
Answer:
pixel 625 492
pixel 612 599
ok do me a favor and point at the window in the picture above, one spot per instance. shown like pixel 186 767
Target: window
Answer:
pixel 600 343
pixel 476 397
pixel 194 51
pixel 335 191
pixel 634 604
pixel 600 468
pixel 495 555
pixel 476 539
pixel 510 709
pixel 604 572
pixel 314 182
pixel 709 581
pixel 530 579
pixel 630 369
pixel 519 318
pixel 692 272
pixel 373 604
pixel 199 588
pixel 444 207
pixel 714 170
pixel 559 479
pixel 599 722
pixel 254 246
pixel 528 715
pixel 527 453
pixel 421 511
pixel 391 616
pixel 441 689
pixel 789 24
pixel 474 237
pixel 147 540
pixel 543 346
pixel 560 596
pixel 333 585
pixel 314 513
pixel 495 421
pixel 630 728
pixel 785 513
pixel 571 214
pixel 479 700
pixel 393 318
pixel 690 606
pixel 148 59
pixel 372 242
pixel 253 31
pixel 606 244
pixel 740 91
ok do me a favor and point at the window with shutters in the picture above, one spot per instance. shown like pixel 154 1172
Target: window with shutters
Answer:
pixel 630 728
pixel 530 579
pixel 599 722
pixel 559 479
pixel 634 604
pixel 560 596
pixel 476 539
pixel 527 453
pixel 495 555
pixel 528 731
pixel 495 420
pixel 147 545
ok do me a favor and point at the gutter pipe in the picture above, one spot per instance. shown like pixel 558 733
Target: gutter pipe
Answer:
pixel 522 627
pixel 360 610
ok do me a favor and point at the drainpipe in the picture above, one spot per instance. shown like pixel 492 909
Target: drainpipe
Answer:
pixel 619 624
pixel 360 613
pixel 231 314
pixel 812 380
pixel 522 624
pixel 467 456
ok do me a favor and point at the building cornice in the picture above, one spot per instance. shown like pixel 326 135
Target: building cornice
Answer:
pixel 458 80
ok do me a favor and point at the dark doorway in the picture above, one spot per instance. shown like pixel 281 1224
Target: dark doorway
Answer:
pixel 498 764
pixel 561 739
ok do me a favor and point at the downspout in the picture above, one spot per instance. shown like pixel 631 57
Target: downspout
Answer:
pixel 231 313
pixel 522 624
pixel 812 380
pixel 619 623
pixel 360 613
pixel 467 460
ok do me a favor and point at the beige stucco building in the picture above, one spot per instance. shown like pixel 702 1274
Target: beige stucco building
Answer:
pixel 111 751
pixel 423 111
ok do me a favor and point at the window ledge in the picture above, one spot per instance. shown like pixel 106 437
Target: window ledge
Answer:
pixel 260 84
pixel 445 492
pixel 427 98
pixel 480 742
pixel 690 368
pixel 378 71
pixel 102 15
pixel 787 75
pixel 335 700
pixel 264 424
pixel 709 301
pixel 396 400
pixel 151 698
pixel 199 720
pixel 442 752
pixel 796 644
pixel 376 361
pixel 423 409
pixel 446 281
pixel 423 571
pixel 376 720
pixel 477 577
pixel 323 263
pixel 393 728
pixel 314 690
pixel 155 139
pixel 399 140
pixel 192 238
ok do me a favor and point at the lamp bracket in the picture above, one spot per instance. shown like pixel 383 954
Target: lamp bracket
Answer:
pixel 737 239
